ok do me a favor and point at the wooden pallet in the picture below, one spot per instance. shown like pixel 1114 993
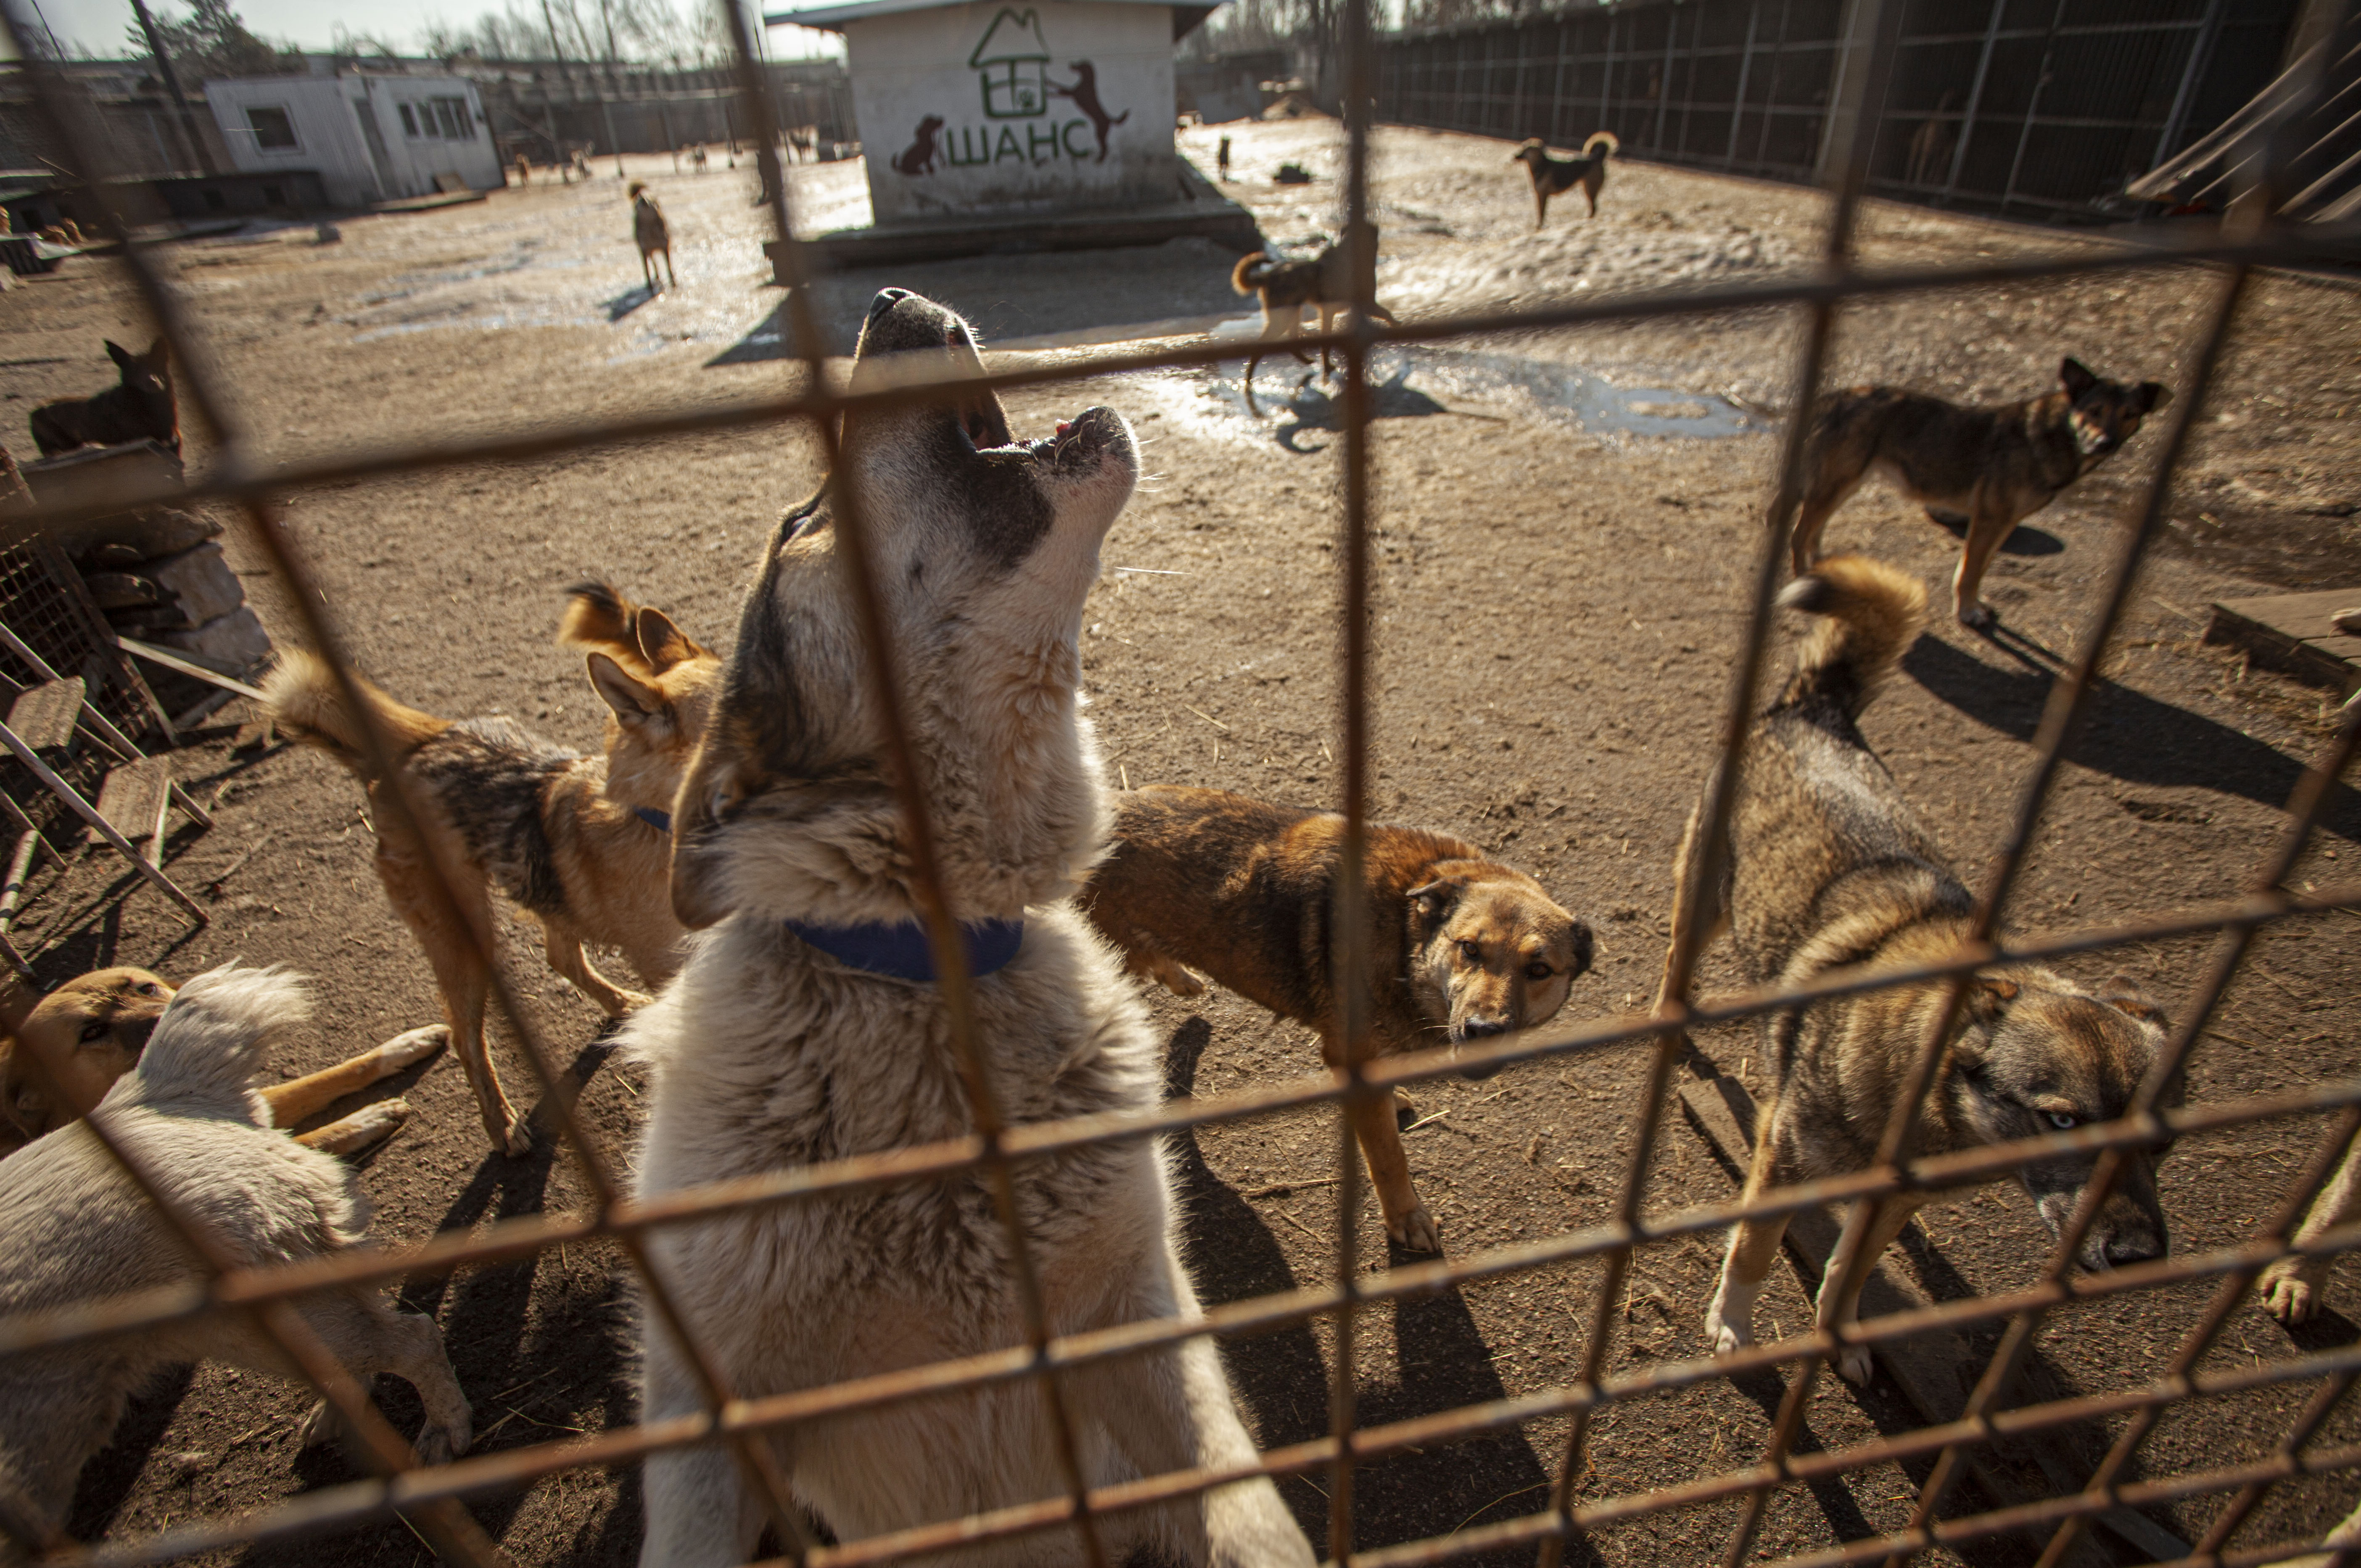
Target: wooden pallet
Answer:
pixel 2290 634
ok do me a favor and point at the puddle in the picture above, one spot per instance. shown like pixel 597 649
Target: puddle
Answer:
pixel 1418 382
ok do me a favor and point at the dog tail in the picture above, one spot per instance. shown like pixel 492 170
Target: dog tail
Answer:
pixel 1248 274
pixel 1872 612
pixel 301 699
pixel 1601 137
pixel 216 1036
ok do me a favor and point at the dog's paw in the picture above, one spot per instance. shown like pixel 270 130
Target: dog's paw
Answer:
pixel 517 1141
pixel 1980 616
pixel 2291 1294
pixel 441 1444
pixel 321 1424
pixel 364 1129
pixel 1853 1362
pixel 1176 979
pixel 409 1049
pixel 627 1003
pixel 1416 1231
pixel 1724 1332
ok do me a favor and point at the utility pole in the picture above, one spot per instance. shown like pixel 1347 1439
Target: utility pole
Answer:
pixel 172 85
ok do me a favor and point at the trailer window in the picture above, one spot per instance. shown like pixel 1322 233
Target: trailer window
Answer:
pixel 271 128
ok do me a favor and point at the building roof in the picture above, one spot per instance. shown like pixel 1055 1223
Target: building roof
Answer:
pixel 1185 16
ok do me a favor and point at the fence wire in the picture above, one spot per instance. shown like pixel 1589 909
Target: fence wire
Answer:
pixel 745 1421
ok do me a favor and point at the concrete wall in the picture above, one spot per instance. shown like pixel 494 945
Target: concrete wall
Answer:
pixel 351 129
pixel 948 132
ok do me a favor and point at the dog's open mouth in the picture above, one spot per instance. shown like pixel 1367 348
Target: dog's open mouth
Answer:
pixel 1079 444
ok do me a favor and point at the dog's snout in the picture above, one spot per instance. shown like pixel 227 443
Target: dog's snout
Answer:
pixel 885 301
pixel 1586 947
pixel 1483 1028
pixel 2122 1251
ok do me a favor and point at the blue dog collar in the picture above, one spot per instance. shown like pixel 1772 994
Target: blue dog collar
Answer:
pixel 903 949
pixel 659 821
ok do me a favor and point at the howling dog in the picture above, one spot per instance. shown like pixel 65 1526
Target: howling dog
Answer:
pixel 653 234
pixel 74 1230
pixel 1283 287
pixel 1989 468
pixel 806 1025
pixel 139 407
pixel 1554 176
pixel 1826 867
pixel 582 844
pixel 1461 948
pixel 90 1031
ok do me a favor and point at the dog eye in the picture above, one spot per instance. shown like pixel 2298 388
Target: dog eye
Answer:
pixel 1538 971
pixel 148 988
pixel 1472 951
pixel 2062 1121
pixel 93 1031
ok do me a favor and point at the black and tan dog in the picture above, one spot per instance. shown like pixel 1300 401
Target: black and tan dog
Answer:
pixel 1461 948
pixel 1283 286
pixel 582 843
pixel 1555 176
pixel 90 1031
pixel 139 406
pixel 1992 468
pixel 1825 866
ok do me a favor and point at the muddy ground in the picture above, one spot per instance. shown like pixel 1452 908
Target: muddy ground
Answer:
pixel 1564 525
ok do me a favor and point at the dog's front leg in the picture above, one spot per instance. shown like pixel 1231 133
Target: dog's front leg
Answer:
pixel 1729 1321
pixel 1375 1125
pixel 2291 1287
pixel 1835 1306
pixel 1988 525
pixel 699 1511
pixel 563 944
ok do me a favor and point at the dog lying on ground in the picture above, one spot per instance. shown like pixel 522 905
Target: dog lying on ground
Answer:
pixel 1460 949
pixel 1554 176
pixel 582 844
pixel 1990 467
pixel 90 1031
pixel 139 407
pixel 652 235
pixel 806 1025
pixel 75 1228
pixel 1283 287
pixel 1826 867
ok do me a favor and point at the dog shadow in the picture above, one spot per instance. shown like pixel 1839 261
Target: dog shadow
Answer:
pixel 1282 1378
pixel 2023 540
pixel 627 301
pixel 1310 407
pixel 113 1472
pixel 2125 733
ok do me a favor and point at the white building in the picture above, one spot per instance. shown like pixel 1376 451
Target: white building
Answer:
pixel 371 138
pixel 1011 106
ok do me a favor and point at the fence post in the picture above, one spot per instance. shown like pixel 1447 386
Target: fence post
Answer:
pixel 2032 106
pixel 1745 68
pixel 1975 98
pixel 1845 95
pixel 2200 54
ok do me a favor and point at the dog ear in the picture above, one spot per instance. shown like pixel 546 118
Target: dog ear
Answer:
pixel 1988 999
pixel 121 356
pixel 662 643
pixel 2122 993
pixel 2150 396
pixel 634 701
pixel 2078 377
pixel 160 353
pixel 1430 901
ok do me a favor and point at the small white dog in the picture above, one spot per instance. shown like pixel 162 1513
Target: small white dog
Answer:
pixel 806 1027
pixel 75 1228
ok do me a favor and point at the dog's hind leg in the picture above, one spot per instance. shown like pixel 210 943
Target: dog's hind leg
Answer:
pixel 1831 1307
pixel 2291 1288
pixel 366 1337
pixel 1826 485
pixel 463 977
pixel 563 945
pixel 1729 1321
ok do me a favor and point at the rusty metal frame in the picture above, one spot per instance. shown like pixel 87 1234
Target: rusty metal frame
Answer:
pixel 271 1295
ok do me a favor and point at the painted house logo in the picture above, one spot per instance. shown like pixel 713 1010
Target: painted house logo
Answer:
pixel 1011 62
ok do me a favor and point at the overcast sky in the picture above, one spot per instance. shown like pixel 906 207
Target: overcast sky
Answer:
pixel 96 25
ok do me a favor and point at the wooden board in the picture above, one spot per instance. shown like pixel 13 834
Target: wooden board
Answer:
pixel 133 800
pixel 1933 1370
pixel 2292 633
pixel 43 716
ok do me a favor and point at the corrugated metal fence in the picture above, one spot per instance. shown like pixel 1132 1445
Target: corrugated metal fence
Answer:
pixel 2009 104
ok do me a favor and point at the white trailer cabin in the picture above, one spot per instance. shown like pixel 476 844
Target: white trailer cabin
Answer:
pixel 370 138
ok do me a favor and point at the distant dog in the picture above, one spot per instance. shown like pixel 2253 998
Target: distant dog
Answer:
pixel 74 1230
pixel 1825 866
pixel 1932 143
pixel 803 142
pixel 584 844
pixel 918 157
pixel 652 235
pixel 1283 287
pixel 90 1031
pixel 1990 467
pixel 1554 176
pixel 806 1026
pixel 523 171
pixel 139 407
pixel 696 158
pixel 1460 949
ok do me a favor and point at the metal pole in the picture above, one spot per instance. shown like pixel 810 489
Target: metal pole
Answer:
pixel 1745 70
pixel 2201 53
pixel 2032 106
pixel 1975 97
pixel 172 85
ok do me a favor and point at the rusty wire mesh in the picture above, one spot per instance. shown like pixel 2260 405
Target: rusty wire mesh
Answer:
pixel 739 1418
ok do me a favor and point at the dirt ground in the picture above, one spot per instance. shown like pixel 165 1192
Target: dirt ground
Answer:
pixel 1563 527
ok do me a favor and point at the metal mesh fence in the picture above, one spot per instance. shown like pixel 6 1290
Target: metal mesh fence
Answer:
pixel 743 1420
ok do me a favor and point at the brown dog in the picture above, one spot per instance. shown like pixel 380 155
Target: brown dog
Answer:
pixel 583 843
pixel 652 235
pixel 1992 466
pixel 138 408
pixel 1460 949
pixel 88 1032
pixel 1555 176
pixel 1283 287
